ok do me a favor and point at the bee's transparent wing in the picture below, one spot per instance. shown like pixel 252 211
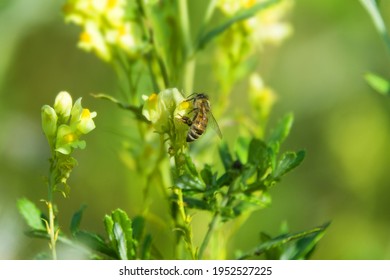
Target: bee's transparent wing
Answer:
pixel 213 124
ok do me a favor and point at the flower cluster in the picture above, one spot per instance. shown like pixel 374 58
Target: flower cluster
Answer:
pixel 165 111
pixel 267 26
pixel 105 27
pixel 64 124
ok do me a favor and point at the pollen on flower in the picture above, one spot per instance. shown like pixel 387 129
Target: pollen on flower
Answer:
pixel 184 105
pixel 85 114
pixel 153 97
pixel 70 137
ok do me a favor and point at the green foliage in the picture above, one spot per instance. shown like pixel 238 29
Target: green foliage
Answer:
pixel 31 214
pixel 291 246
pixel 154 39
pixel 243 184
pixel 239 16
pixel 378 83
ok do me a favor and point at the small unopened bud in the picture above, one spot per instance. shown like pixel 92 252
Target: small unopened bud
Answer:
pixel 63 105
pixel 49 121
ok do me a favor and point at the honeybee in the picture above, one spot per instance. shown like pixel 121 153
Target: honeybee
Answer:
pixel 202 117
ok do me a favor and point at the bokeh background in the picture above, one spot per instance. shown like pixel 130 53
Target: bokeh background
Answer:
pixel 343 125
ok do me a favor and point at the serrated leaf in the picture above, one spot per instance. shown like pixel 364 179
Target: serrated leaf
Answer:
pixel 76 220
pixel 378 83
pixel 109 226
pixel 123 234
pixel 289 161
pixel 239 16
pixel 31 214
pixel 121 242
pixel 281 240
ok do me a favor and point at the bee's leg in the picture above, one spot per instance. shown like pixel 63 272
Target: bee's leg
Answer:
pixel 186 120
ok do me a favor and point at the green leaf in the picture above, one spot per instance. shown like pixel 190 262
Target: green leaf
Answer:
pixel 188 182
pixel 281 131
pixel 372 8
pixel 289 161
pixel 138 226
pixel 196 203
pixel 146 247
pixel 76 220
pixel 257 153
pixel 226 157
pixel 31 214
pixel 281 240
pixel 302 248
pixel 273 253
pixel 137 111
pixel 95 243
pixel 239 16
pixel 122 234
pixel 208 177
pixel 121 242
pixel 378 83
pixel 109 226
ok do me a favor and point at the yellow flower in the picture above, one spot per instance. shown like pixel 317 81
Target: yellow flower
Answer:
pixel 161 109
pixel 267 26
pixel 91 39
pixel 125 36
pixel 81 119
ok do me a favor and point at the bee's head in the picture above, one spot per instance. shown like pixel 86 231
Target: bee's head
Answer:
pixel 201 96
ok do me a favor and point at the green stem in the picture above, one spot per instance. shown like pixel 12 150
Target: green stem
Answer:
pixel 52 231
pixel 208 235
pixel 51 226
pixel 188 57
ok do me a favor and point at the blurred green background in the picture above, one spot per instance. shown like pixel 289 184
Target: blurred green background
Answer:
pixel 318 75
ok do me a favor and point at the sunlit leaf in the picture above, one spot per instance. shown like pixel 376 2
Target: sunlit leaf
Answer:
pixel 31 214
pixel 372 8
pixel 281 240
pixel 123 234
pixel 289 161
pixel 378 83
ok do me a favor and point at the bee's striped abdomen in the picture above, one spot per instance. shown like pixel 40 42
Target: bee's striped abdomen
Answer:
pixel 198 127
